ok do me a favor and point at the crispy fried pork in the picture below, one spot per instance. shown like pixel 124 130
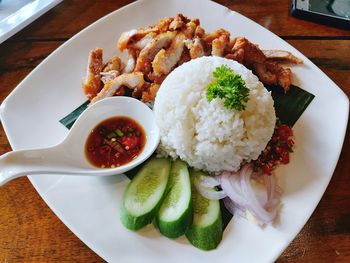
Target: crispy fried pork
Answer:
pixel 282 56
pixel 115 63
pixel 130 80
pixel 165 60
pixel 153 52
pixel 92 84
pixel 196 47
pixel 131 61
pixel 269 72
pixel 144 61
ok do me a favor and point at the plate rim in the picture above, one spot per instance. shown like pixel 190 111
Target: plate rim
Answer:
pixel 76 36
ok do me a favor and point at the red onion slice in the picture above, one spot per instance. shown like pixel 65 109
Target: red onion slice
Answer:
pixel 211 193
pixel 233 208
pixel 230 184
pixel 207 181
pixel 260 199
pixel 253 204
pixel 205 185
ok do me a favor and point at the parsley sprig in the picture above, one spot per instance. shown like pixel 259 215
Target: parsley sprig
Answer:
pixel 230 87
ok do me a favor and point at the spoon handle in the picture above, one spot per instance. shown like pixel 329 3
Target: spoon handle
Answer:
pixel 27 162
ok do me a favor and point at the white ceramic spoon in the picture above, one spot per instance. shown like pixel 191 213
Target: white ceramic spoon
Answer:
pixel 68 157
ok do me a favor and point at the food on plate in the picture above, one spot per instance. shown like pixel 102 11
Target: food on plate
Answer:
pixel 175 213
pixel 153 52
pixel 254 196
pixel 215 116
pixel 169 197
pixel 114 142
pixel 269 70
pixel 206 230
pixel 277 150
pixel 206 134
pixel 92 83
pixel 118 84
pixel 282 56
pixel 230 87
pixel 145 193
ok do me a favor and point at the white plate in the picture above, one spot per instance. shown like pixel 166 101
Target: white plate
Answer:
pixel 90 206
pixel 16 14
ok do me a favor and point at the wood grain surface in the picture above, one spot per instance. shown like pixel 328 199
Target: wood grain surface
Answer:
pixel 30 232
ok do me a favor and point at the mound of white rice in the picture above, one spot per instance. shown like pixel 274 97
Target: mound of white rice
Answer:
pixel 205 134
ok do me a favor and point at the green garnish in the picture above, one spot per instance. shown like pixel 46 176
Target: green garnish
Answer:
pixel 229 87
pixel 111 135
pixel 119 132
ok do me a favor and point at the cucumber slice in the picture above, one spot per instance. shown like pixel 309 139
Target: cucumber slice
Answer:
pixel 175 213
pixel 144 194
pixel 206 229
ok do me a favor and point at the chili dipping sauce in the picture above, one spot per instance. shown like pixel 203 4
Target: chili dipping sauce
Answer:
pixel 114 142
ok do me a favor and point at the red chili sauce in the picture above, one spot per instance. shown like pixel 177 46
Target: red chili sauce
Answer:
pixel 114 142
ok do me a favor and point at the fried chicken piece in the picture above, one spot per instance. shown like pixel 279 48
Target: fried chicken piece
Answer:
pixel 92 84
pixel 251 56
pixel 196 47
pixel 143 42
pixel 272 73
pixel 108 76
pixel 130 80
pixel 265 76
pixel 144 61
pixel 131 61
pixel 185 25
pixel 190 28
pixel 157 79
pixel 282 56
pixel 199 32
pixel 252 53
pixel 115 63
pixel 163 25
pixel 217 42
pixel 210 37
pixel 179 21
pixel 185 56
pixel 120 91
pixel 165 60
pixel 219 45
pixel 150 94
pixel 131 37
pixel 137 92
pixel 231 44
pixel 238 56
pixel 283 75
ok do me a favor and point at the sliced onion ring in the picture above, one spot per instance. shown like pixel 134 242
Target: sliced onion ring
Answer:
pixel 253 204
pixel 211 193
pixel 246 197
pixel 207 181
pixel 205 185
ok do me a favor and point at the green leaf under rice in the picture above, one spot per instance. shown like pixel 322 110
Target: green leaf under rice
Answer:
pixel 291 105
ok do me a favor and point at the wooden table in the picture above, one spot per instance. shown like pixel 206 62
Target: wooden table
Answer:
pixel 30 232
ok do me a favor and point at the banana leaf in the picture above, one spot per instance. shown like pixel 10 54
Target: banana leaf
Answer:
pixel 291 105
pixel 69 120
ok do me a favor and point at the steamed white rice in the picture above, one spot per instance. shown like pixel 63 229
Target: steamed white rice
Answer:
pixel 205 134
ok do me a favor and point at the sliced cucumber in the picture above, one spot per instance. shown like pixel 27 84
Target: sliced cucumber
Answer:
pixel 175 213
pixel 145 193
pixel 206 229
